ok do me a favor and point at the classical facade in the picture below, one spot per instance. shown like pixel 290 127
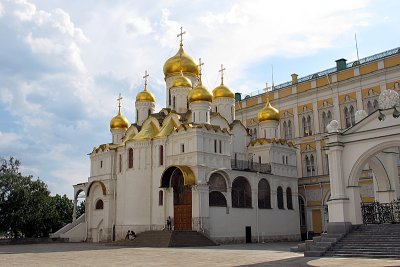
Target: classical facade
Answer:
pixel 345 93
pixel 193 161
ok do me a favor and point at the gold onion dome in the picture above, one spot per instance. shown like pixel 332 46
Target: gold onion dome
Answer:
pixel 199 93
pixel 145 95
pixel 223 91
pixel 119 122
pixel 181 61
pixel 182 81
pixel 268 113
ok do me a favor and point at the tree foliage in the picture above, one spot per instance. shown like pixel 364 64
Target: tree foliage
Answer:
pixel 26 207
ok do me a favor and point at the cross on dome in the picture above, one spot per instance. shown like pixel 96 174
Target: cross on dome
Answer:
pixel 119 99
pixel 181 36
pixel 221 70
pixel 199 66
pixel 146 75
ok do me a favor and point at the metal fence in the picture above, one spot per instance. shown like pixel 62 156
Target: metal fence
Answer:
pixel 378 213
pixel 251 166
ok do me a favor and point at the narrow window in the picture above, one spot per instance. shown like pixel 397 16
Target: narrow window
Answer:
pixel 120 163
pixel 182 148
pixel 220 146
pixel 173 102
pixel 289 129
pixel 284 126
pixel 149 112
pixel 352 116
pixel 283 159
pixel 99 205
pixel 160 198
pixel 216 109
pixel 101 164
pixel 304 123
pixel 130 158
pixel 264 195
pixel 194 117
pixel 279 195
pixel 309 125
pixel 376 105
pixel 215 146
pixel 289 202
pixel 161 155
pixel 347 117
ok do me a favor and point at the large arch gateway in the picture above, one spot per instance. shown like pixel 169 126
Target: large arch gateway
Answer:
pixel 373 142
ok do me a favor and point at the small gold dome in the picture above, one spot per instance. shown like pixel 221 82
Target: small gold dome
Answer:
pixel 145 96
pixel 119 122
pixel 181 61
pixel 182 81
pixel 199 93
pixel 268 113
pixel 223 91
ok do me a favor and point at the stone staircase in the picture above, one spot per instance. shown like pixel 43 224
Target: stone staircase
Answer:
pixel 168 239
pixel 375 241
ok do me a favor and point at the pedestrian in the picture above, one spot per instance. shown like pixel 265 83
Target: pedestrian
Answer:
pixel 169 223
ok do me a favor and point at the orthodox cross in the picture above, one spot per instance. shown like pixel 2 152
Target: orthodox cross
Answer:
pixel 145 79
pixel 199 66
pixel 222 74
pixel 119 103
pixel 181 35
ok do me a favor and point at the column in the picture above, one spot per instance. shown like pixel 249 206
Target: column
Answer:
pixel 296 122
pixel 316 117
pixel 74 212
pixel 320 170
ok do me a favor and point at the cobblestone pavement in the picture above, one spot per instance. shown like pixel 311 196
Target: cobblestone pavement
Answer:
pixel 84 254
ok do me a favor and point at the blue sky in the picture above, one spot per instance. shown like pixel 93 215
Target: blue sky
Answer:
pixel 63 63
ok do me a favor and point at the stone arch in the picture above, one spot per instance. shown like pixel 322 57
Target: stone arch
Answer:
pixel 367 155
pixel 223 174
pixel 188 176
pixel 381 176
pixel 103 187
pixel 241 193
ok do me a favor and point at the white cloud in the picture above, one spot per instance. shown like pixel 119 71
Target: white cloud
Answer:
pixel 1 10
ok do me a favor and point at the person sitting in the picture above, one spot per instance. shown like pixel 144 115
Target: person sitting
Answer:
pixel 128 234
pixel 133 235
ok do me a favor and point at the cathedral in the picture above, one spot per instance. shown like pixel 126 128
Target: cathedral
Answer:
pixel 238 169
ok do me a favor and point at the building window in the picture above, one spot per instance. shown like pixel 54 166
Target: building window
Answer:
pixel 309 130
pixel 310 165
pixel 349 116
pixel 289 132
pixel 161 155
pixel 149 112
pixel 255 133
pixel 130 158
pixel 120 163
pixel 302 212
pixel 220 146
pixel 326 119
pixel 182 148
pixel 99 204
pixel 173 102
pixel 279 196
pixel 284 126
pixel 289 202
pixel 101 164
pixel 216 109
pixel 160 198
pixel 215 146
pixel 217 199
pixel 370 108
pixel 264 195
pixel 194 116
pixel 241 193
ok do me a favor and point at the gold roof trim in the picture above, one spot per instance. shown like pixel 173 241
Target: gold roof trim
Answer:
pixel 262 141
pixel 167 129
pixel 188 176
pixel 147 132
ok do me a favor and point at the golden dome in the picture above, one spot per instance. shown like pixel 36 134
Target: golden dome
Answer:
pixel 268 113
pixel 181 61
pixel 222 91
pixel 119 122
pixel 182 81
pixel 145 96
pixel 199 93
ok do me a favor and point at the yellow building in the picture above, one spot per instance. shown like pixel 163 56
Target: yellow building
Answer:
pixel 307 105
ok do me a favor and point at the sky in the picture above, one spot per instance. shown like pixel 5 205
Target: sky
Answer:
pixel 63 63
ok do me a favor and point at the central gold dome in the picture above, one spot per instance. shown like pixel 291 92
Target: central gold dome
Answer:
pixel 199 93
pixel 181 61
pixel 223 91
pixel 119 122
pixel 268 113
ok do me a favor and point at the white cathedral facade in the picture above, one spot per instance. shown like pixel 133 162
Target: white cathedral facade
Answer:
pixel 194 162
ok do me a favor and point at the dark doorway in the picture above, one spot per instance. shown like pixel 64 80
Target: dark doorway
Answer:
pixel 182 202
pixel 248 234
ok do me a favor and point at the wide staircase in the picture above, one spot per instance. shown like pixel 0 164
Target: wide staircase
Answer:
pixel 375 241
pixel 168 239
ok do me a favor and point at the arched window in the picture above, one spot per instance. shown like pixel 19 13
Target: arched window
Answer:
pixel 216 109
pixel 304 124
pixel 130 158
pixel 302 212
pixel 99 204
pixel 352 116
pixel 370 108
pixel 217 199
pixel 329 116
pixel 241 193
pixel 289 202
pixel 284 126
pixel 289 128
pixel 160 198
pixel 310 167
pixel 161 155
pixel 347 117
pixel 264 195
pixel 217 183
pixel 309 125
pixel 149 112
pixel 279 196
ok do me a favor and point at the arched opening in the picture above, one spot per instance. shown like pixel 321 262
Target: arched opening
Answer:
pixel 264 194
pixel 279 196
pixel 289 201
pixel 99 204
pixel 130 158
pixel 302 215
pixel 217 199
pixel 181 179
pixel 241 193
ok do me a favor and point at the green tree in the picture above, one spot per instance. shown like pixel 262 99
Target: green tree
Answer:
pixel 80 209
pixel 26 206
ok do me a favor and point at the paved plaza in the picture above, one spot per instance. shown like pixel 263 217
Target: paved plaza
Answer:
pixel 85 254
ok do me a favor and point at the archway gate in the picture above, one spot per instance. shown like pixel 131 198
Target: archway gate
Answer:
pixel 348 152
